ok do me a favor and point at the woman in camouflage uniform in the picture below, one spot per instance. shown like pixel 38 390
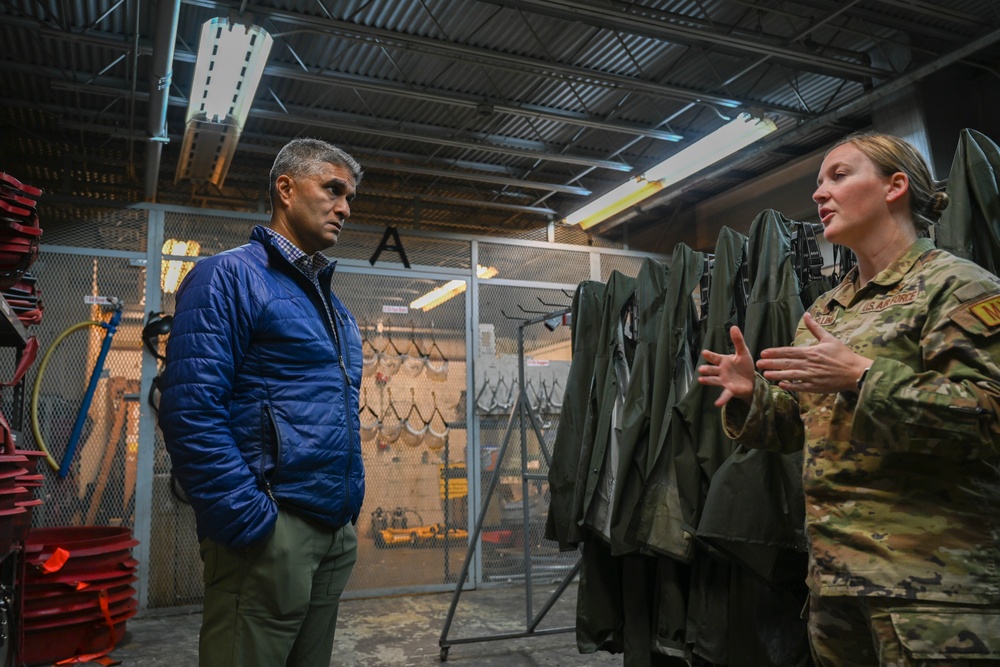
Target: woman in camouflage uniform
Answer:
pixel 893 386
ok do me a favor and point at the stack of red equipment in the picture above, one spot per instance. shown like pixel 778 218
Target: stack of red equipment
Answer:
pixel 78 592
pixel 25 299
pixel 19 230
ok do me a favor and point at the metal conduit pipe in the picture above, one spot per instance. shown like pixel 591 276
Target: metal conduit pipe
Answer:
pixel 160 73
pixel 805 128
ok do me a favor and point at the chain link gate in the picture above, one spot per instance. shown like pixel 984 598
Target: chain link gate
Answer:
pixel 547 349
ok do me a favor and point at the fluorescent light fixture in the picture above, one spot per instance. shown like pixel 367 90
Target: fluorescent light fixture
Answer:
pixel 172 271
pixel 231 60
pixel 450 289
pixel 628 193
pixel 230 64
pixel 728 139
pixel 734 136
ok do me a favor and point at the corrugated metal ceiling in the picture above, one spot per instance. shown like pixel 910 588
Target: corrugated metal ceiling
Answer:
pixel 468 115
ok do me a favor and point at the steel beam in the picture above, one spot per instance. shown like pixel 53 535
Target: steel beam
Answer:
pixel 805 129
pixel 352 123
pixel 465 53
pixel 678 33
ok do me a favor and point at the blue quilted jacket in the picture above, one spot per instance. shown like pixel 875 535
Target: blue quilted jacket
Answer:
pixel 260 398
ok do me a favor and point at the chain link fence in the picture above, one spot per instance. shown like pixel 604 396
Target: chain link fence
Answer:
pixel 96 483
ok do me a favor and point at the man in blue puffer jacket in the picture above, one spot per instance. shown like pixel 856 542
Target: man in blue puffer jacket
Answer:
pixel 259 412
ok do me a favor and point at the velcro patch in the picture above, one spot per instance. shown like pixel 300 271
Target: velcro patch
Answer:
pixel 889 301
pixel 981 318
pixel 988 311
pixel 825 319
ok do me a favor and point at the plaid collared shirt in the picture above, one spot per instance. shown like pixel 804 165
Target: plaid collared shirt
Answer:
pixel 309 265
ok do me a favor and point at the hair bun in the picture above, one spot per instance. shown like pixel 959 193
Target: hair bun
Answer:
pixel 938 203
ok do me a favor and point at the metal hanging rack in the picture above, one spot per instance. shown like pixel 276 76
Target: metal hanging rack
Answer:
pixel 521 414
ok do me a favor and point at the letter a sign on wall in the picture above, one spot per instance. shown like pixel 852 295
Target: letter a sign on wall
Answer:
pixel 394 247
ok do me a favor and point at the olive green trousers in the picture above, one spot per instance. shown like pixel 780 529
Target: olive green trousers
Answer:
pixel 276 603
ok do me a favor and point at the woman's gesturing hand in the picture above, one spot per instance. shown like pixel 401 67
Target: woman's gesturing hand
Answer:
pixel 733 372
pixel 826 367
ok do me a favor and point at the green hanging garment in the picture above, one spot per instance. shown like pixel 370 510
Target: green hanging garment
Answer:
pixel 560 524
pixel 970 226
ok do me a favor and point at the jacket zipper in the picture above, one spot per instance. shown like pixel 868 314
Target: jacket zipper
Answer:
pixel 328 303
pixel 277 452
pixel 347 404
pixel 342 351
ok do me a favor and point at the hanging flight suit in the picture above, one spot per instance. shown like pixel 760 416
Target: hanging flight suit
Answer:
pixel 615 351
pixel 560 524
pixel 755 507
pixel 970 227
pixel 653 519
pixel 649 583
pixel 600 618
pixel 615 601
pixel 650 296
pixel 701 447
pixel 658 519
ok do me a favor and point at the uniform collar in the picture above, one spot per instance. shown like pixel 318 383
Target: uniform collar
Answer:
pixel 890 276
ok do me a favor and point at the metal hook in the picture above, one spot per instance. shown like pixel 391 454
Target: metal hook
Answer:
pixel 531 312
pixel 516 319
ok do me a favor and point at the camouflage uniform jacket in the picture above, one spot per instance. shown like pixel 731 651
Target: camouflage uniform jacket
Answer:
pixel 900 481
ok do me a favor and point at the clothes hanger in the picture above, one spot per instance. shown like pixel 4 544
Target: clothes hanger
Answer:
pixel 556 407
pixel 539 396
pixel 508 402
pixel 390 358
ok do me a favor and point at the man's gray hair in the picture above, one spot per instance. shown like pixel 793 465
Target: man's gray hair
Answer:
pixel 305 157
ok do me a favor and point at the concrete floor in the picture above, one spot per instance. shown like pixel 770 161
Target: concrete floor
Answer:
pixel 399 632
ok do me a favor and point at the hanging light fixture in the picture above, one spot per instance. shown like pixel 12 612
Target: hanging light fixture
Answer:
pixel 172 271
pixel 734 136
pixel 450 289
pixel 230 64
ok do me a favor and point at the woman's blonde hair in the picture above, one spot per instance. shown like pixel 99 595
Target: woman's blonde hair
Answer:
pixel 890 154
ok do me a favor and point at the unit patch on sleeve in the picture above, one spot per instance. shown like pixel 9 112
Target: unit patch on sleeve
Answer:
pixel 988 311
pixel 980 317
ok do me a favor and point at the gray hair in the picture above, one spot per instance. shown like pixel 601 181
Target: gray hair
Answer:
pixel 305 157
